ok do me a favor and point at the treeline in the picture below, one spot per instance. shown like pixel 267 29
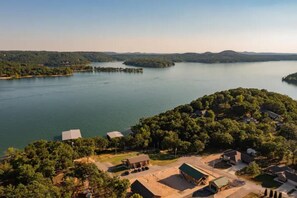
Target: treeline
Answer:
pixel 149 62
pixel 32 172
pixel 292 78
pixel 54 59
pixel 238 119
pixel 20 70
pixel 105 69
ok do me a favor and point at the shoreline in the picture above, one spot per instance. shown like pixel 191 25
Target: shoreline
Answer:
pixel 39 76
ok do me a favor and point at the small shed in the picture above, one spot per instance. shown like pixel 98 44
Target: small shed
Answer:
pixel 71 134
pixel 193 174
pixel 246 158
pixel 136 162
pixel 145 190
pixel 218 184
pixel 114 134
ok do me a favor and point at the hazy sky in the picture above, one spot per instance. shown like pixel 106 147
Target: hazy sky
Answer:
pixel 149 25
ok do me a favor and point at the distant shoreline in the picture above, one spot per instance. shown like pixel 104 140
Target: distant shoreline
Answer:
pixel 39 76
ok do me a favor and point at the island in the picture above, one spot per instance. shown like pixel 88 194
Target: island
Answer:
pixel 291 78
pixel 149 62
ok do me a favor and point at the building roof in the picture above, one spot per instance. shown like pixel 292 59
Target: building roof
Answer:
pixel 247 158
pixel 291 176
pixel 220 182
pixel 192 171
pixel 232 154
pixel 271 114
pixel 139 158
pixel 144 189
pixel 279 168
pixel 71 134
pixel 114 134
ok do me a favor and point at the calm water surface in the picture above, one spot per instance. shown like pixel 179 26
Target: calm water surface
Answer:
pixel 32 109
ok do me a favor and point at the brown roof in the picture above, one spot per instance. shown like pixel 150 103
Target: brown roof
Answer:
pixel 145 189
pixel 139 158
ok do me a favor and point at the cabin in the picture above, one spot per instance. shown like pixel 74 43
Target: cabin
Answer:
pixel 218 184
pixel 145 190
pixel 276 169
pixel 193 174
pixel 71 134
pixel 246 158
pixel 137 162
pixel 231 156
pixel 114 134
pixel 200 113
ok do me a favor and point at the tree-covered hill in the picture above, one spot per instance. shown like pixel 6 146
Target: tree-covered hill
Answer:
pixel 149 62
pixel 11 70
pixel 291 78
pixel 53 59
pixel 237 118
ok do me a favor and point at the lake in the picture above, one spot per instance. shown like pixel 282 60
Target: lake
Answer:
pixel 41 108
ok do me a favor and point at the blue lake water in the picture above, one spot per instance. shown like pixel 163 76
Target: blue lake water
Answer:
pixel 40 108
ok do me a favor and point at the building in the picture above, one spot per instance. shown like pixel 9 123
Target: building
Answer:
pixel 200 113
pixel 142 188
pixel 218 184
pixel 272 115
pixel 291 177
pixel 276 169
pixel 246 158
pixel 114 134
pixel 71 134
pixel 231 156
pixel 136 162
pixel 193 174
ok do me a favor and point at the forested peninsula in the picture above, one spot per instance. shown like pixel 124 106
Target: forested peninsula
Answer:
pixel 291 78
pixel 149 62
pixel 232 119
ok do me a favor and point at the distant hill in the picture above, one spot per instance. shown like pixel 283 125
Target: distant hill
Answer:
pixel 54 59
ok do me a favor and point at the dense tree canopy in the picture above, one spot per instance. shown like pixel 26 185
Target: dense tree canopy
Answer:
pixel 291 78
pixel 149 62
pixel 238 118
pixel 30 172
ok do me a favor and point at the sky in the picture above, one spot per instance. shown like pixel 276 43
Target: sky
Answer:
pixel 160 26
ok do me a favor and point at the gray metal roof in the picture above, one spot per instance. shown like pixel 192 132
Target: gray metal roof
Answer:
pixel 114 134
pixel 71 134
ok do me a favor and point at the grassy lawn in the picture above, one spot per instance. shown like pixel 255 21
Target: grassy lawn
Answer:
pixel 115 159
pixel 252 195
pixel 160 159
pixel 266 181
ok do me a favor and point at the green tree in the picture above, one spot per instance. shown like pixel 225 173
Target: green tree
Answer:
pixel 199 146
